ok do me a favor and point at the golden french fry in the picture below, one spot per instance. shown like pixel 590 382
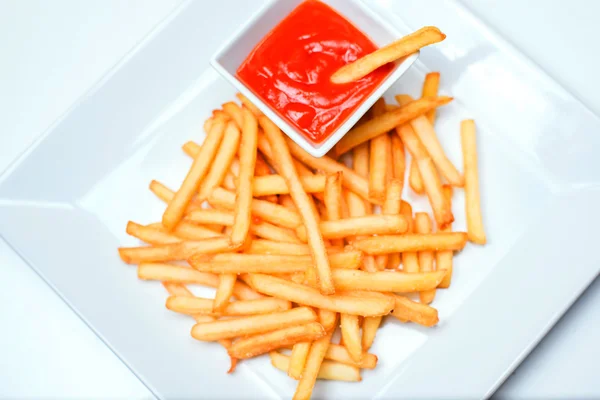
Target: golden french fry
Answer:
pixel 408 310
pixel 338 353
pixel 386 281
pixel 430 88
pixel 443 259
pixel 150 235
pixel 227 263
pixel 330 370
pixel 311 370
pixel 253 346
pixel 350 179
pixel 251 325
pixel 423 225
pixel 189 231
pixel 388 121
pixel 398 158
pixel 265 148
pixel 269 231
pixel 298 359
pixel 431 181
pixel 302 294
pixel 224 291
pixel 197 305
pixel 410 259
pixel 235 113
pixel 328 319
pixel 275 184
pixel 414 177
pixel 243 203
pixel 174 251
pixel 380 147
pixel 166 195
pixel 333 200
pixel 394 51
pixel 391 206
pixel 367 225
pixel 180 274
pixel 285 166
pixel 177 206
pixel 351 336
pixel 412 242
pixel 222 161
pixel 249 105
pixel 210 216
pixel 369 330
pixel 273 213
pixel 261 246
pixel 472 201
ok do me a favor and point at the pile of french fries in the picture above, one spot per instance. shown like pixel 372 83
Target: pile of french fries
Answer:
pixel 298 246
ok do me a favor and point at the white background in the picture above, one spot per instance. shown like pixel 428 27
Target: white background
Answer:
pixel 53 51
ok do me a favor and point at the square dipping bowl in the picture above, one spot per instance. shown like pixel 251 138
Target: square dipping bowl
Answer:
pixel 235 51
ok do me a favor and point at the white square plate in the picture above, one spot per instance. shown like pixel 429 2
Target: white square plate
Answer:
pixel 65 202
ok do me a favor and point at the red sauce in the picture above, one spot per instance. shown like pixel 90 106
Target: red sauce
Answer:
pixel 290 69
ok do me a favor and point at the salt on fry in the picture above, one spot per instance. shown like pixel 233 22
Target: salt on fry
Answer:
pixel 472 201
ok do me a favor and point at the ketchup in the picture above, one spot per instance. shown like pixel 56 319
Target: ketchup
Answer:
pixel 290 69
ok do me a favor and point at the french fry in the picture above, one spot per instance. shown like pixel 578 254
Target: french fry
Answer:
pixel 222 161
pixel 386 122
pixel 177 206
pixel 150 235
pixel 472 201
pixel 235 113
pixel 261 168
pixel 430 88
pixel 207 124
pixel 286 201
pixel 380 147
pixel 394 51
pixel 367 225
pixel 166 195
pixel 414 177
pixel 412 242
pixel 408 310
pixel 210 216
pixel 251 325
pixel 443 259
pixel 298 359
pixel 174 251
pixel 386 281
pixel 229 182
pixel 308 296
pixel 350 179
pixel 197 305
pixel 431 181
pixel 224 291
pixel 265 148
pixel 249 105
pixel 330 370
pixel 333 200
pixel 243 204
pixel 261 246
pixel 191 148
pixel 338 353
pixel 391 206
pixel 328 319
pixel 228 263
pixel 285 166
pixel 410 259
pixel 398 158
pixel 273 213
pixel 180 274
pixel 369 329
pixel 269 231
pixel 189 231
pixel 275 184
pixel 423 225
pixel 351 336
pixel 253 346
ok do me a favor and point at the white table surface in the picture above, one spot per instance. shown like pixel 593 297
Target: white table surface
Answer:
pixel 54 51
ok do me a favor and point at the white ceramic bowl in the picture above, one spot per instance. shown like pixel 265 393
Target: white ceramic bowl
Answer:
pixel 228 59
